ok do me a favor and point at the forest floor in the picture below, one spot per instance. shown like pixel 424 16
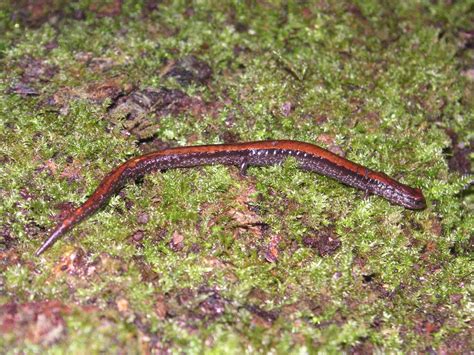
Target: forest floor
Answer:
pixel 204 259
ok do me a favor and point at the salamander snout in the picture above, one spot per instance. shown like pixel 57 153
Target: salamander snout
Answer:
pixel 415 200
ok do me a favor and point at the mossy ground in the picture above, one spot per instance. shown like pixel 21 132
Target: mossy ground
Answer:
pixel 205 259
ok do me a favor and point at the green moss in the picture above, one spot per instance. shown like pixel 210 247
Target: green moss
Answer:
pixel 381 82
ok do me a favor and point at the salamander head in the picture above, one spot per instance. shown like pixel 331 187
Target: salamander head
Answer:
pixel 396 192
pixel 408 197
pixel 417 200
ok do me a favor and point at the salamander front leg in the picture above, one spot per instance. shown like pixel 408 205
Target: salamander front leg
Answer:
pixel 243 167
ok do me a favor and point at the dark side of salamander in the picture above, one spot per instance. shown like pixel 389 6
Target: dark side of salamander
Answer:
pixel 309 157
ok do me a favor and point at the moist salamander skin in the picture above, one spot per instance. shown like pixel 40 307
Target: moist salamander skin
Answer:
pixel 263 153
